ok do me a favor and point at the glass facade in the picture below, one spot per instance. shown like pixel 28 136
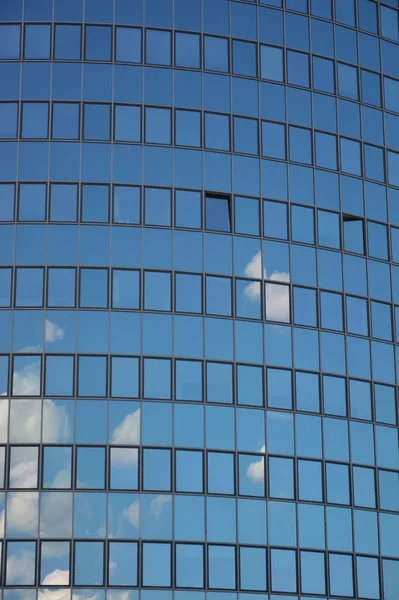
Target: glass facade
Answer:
pixel 199 299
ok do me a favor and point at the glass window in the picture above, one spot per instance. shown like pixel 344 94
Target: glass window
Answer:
pixel 221 567
pixel 66 117
pixel 302 224
pixel 95 204
pixel 353 234
pixel 92 376
pixel 300 145
pixel 158 125
pixel 244 58
pixel 371 88
pixel 157 291
pixel 189 565
pixel 305 307
pixel 337 479
pixel 385 404
pixel 5 287
pixel 253 569
pixel 246 215
pixel 29 287
pixel 391 91
pixel 187 50
pixel 128 44
pixel 217 213
pixel 94 288
pixel 32 202
pixel 313 580
pixel 350 156
pixel 345 12
pixel 367 15
pixel 8 120
pixel 218 296
pixel 326 150
pixel 156 470
pixel 24 367
pixel 157 376
pixel 298 68
pixel 63 202
pixel 189 471
pixel 124 377
pixel 10 36
pixel 221 473
pixel 323 75
pixel 123 567
pixel 16 551
pixel 35 120
pixel 157 207
pixel 127 126
pixel 126 204
pixel 90 468
pixel 188 293
pixel 216 54
pixel 281 477
pixel 123 468
pixel 158 47
pixel 67 42
pixel 341 574
pixel 245 135
pixel 347 81
pixel 96 121
pixel 272 63
pixel 156 564
pixel 125 289
pixel 98 42
pixel 37 41
pixel 217 131
pixel 283 570
pixel 273 140
pixel 188 128
pixel 275 219
pixel 61 287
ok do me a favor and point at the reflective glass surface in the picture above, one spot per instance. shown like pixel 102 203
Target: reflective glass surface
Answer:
pixel 199 299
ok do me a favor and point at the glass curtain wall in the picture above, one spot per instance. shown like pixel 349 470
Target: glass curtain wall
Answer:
pixel 199 299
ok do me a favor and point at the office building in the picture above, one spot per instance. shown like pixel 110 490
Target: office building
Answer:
pixel 199 296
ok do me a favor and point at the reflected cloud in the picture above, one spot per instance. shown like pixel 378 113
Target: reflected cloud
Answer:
pixel 56 515
pixel 52 332
pixel 22 513
pixel 26 382
pixel 132 514
pixel 23 470
pixel 56 422
pixel 20 567
pixel 57 577
pixel 126 434
pixel 65 594
pixel 256 469
pixel 277 299
pixel 4 421
pixel 60 594
pixel 157 505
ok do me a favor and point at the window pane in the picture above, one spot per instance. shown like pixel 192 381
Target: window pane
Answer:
pixel 217 213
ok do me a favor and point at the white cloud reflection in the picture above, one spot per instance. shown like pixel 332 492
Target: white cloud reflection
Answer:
pixel 256 469
pixel 277 296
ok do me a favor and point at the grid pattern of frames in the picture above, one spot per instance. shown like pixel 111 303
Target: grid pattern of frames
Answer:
pixel 199 299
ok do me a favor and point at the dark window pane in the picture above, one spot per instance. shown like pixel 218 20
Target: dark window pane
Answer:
pixel 217 213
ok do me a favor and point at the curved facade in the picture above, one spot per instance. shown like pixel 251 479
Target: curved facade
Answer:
pixel 199 273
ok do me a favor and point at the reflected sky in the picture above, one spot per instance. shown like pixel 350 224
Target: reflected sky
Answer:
pixel 199 299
